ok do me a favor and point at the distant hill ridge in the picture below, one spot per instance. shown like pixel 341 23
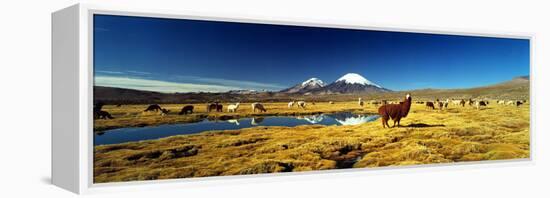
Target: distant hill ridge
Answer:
pixel 516 88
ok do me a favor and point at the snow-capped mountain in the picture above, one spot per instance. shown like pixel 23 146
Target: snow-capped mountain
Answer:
pixel 349 83
pixel 306 86
pixel 352 83
pixel 353 78
pixel 313 82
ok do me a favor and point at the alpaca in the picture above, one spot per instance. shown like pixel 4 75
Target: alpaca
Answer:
pixel 233 107
pixel 301 104
pixel 430 105
pixel 500 102
pixel 444 104
pixel 211 107
pixel 219 107
pixel 186 110
pixel 456 102
pixel 290 104
pixel 216 106
pixel 518 103
pixel 360 102
pixel 153 107
pixel 395 111
pixel 470 102
pixel 439 104
pixel 479 104
pixel 258 106
pixel 462 102
pixel 330 102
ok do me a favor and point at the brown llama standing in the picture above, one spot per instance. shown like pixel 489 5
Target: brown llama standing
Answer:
pixel 395 111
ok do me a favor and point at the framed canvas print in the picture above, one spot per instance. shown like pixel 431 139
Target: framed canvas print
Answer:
pixel 143 97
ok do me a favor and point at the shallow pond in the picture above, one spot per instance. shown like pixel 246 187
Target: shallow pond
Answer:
pixel 130 134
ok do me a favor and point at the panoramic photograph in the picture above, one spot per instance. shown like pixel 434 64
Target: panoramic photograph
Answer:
pixel 179 98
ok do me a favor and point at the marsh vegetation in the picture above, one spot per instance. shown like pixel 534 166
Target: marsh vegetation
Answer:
pixel 427 136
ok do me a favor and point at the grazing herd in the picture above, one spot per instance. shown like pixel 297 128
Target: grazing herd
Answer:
pixel 393 110
pixel 478 104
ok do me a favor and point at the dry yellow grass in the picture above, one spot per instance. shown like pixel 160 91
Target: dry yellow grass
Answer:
pixel 427 136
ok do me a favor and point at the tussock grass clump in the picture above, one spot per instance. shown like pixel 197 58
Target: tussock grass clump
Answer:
pixel 427 136
pixel 268 166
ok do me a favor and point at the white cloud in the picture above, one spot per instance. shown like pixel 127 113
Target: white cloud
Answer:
pixel 235 83
pixel 109 72
pixel 138 72
pixel 158 85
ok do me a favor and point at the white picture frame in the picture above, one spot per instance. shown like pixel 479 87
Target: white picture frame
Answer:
pixel 72 87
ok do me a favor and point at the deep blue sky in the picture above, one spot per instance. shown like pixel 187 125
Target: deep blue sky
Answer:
pixel 178 55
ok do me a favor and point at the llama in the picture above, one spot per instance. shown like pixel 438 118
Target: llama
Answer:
pixel 216 106
pixel 188 109
pixel 462 102
pixel 501 102
pixel 439 104
pixel 430 105
pixel 301 104
pixel 470 102
pixel 518 103
pixel 511 102
pixel 395 111
pixel 290 104
pixel 479 104
pixel 233 107
pixel 330 102
pixel 211 107
pixel 153 107
pixel 456 102
pixel 258 106
pixel 360 102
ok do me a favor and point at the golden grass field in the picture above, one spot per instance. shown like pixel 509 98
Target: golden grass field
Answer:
pixel 427 136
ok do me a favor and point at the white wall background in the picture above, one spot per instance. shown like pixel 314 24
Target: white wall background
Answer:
pixel 25 96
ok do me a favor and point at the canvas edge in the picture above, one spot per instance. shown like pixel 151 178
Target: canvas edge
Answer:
pixel 65 148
